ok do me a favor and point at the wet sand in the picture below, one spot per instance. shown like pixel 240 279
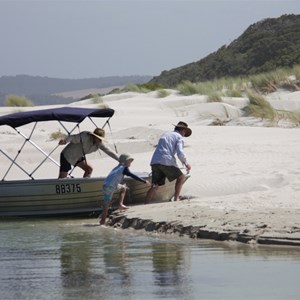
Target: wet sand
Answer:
pixel 198 220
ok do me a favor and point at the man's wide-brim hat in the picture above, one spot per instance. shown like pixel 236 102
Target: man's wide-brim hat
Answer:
pixel 100 134
pixel 180 125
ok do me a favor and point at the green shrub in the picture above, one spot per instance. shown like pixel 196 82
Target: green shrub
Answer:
pixel 151 86
pixel 89 96
pixel 259 107
pixel 233 93
pixel 187 88
pixel 292 116
pixel 103 105
pixel 263 83
pixel 142 88
pixel 270 81
pixel 57 135
pixel 135 88
pixel 286 78
pixel 207 87
pixel 115 91
pixel 214 97
pixel 97 99
pixel 296 72
pixel 162 94
pixel 17 101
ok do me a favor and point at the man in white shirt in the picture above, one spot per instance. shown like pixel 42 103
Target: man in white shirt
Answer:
pixel 163 162
pixel 79 145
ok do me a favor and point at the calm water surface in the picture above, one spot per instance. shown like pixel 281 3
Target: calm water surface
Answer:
pixel 74 259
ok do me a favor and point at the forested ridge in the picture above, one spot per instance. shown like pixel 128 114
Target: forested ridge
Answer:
pixel 264 46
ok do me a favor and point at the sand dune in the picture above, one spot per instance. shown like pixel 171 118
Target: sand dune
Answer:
pixel 244 171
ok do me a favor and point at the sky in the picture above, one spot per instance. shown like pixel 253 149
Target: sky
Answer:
pixel 78 39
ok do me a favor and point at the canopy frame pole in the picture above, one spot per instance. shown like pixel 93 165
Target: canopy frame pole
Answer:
pixel 65 128
pixel 35 145
pixel 28 139
pixel 13 163
pixel 49 155
pixel 108 124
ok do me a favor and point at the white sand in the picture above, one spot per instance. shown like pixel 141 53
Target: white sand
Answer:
pixel 244 175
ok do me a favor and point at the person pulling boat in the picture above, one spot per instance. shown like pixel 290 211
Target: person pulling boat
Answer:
pixel 74 154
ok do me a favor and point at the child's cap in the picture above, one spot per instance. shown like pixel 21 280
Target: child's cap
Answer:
pixel 124 157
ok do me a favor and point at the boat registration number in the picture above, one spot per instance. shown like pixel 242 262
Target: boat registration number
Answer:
pixel 66 188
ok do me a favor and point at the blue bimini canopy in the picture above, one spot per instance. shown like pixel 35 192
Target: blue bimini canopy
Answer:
pixel 67 114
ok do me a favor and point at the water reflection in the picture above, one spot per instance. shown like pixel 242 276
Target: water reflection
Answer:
pixel 66 259
pixel 169 269
pixel 94 267
pixel 264 252
pixel 75 261
pixel 116 267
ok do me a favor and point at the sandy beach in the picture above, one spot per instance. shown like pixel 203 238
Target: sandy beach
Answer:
pixel 245 177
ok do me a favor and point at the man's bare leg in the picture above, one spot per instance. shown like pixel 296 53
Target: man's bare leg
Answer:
pixel 150 194
pixel 178 186
pixel 62 174
pixel 88 169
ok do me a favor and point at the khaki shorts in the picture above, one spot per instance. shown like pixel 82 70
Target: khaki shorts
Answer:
pixel 161 172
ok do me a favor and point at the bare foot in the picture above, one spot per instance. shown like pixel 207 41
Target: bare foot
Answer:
pixel 123 207
pixel 103 226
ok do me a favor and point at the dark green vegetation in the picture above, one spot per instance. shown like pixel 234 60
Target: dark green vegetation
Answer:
pixel 265 46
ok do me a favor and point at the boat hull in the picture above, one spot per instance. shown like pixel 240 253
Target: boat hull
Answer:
pixel 68 196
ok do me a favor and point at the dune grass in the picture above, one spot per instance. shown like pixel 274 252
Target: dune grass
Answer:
pixel 259 107
pixel 291 116
pixel 188 88
pixel 296 72
pixel 17 101
pixel 234 93
pixel 271 81
pixel 264 83
pixel 97 99
pixel 143 88
pixel 57 135
pixel 253 87
pixel 214 97
pixel 162 93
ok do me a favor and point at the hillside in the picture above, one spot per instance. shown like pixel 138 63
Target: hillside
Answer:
pixel 266 45
pixel 44 90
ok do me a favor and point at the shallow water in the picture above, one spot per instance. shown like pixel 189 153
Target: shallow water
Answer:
pixel 74 259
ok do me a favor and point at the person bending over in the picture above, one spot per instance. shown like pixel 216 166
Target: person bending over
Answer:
pixel 163 162
pixel 78 146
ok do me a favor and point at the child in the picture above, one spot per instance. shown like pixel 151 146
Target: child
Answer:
pixel 113 183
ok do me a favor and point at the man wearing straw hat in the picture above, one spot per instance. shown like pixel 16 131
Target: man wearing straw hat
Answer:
pixel 79 145
pixel 163 162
